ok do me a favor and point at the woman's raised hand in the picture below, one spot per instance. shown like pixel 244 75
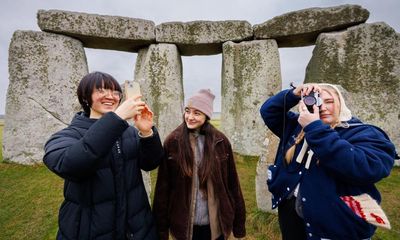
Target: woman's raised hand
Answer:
pixel 306 89
pixel 306 117
pixel 134 108
pixel 130 108
pixel 144 121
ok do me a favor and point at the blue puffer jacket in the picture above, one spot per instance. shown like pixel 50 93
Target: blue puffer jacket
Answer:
pixel 101 162
pixel 347 161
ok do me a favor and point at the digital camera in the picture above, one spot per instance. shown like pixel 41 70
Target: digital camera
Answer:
pixel 312 99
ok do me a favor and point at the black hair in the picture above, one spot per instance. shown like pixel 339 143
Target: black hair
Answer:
pixel 92 81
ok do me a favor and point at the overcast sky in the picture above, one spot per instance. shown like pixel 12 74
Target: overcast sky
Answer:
pixel 198 71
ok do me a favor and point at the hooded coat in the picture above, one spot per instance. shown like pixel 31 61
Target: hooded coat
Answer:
pixel 100 161
pixel 347 160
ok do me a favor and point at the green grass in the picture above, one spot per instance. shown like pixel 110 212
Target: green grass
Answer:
pixel 31 195
pixel 390 190
pixel 259 225
pixel 1 140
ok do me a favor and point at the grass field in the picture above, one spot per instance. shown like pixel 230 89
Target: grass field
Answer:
pixel 30 197
pixel 1 140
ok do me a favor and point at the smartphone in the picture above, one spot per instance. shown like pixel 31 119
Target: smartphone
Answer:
pixel 131 88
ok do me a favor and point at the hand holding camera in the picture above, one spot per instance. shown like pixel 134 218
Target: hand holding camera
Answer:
pixel 312 99
pixel 309 93
pixel 309 104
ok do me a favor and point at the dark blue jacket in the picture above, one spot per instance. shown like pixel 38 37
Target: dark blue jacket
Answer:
pixel 104 195
pixel 347 161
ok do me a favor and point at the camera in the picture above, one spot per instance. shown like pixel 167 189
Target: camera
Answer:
pixel 312 99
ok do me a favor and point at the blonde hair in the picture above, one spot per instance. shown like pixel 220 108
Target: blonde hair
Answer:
pixel 290 152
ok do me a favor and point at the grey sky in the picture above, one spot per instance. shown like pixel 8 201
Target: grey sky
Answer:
pixel 198 71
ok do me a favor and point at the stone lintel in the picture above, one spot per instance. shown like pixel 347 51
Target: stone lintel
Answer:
pixel 99 31
pixel 203 37
pixel 301 28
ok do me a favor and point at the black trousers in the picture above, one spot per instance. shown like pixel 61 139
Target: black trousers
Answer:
pixel 203 233
pixel 292 226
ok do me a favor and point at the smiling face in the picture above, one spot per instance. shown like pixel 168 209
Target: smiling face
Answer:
pixel 194 118
pixel 104 101
pixel 330 108
pixel 98 93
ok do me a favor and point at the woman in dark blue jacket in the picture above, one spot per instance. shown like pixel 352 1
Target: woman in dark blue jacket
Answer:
pixel 325 156
pixel 100 157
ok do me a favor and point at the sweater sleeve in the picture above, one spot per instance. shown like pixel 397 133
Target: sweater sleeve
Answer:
pixel 363 156
pixel 275 111
pixel 73 157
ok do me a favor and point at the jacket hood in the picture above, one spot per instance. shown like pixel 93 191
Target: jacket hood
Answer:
pixel 345 113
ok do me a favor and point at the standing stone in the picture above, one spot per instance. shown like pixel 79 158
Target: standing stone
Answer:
pixel 364 60
pixel 159 72
pixel 397 163
pixel 45 70
pixel 267 158
pixel 251 74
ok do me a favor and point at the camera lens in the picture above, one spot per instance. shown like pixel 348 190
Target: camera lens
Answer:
pixel 309 100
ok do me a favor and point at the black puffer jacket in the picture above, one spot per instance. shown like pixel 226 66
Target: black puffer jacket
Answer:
pixel 100 160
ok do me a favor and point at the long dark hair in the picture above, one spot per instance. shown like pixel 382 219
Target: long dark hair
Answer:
pixel 186 155
pixel 91 81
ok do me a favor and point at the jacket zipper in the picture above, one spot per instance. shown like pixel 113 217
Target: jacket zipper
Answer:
pixel 127 234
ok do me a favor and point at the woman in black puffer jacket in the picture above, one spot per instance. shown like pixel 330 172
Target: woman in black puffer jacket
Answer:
pixel 100 157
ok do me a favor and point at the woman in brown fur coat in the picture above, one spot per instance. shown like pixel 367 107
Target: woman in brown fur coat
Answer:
pixel 198 195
